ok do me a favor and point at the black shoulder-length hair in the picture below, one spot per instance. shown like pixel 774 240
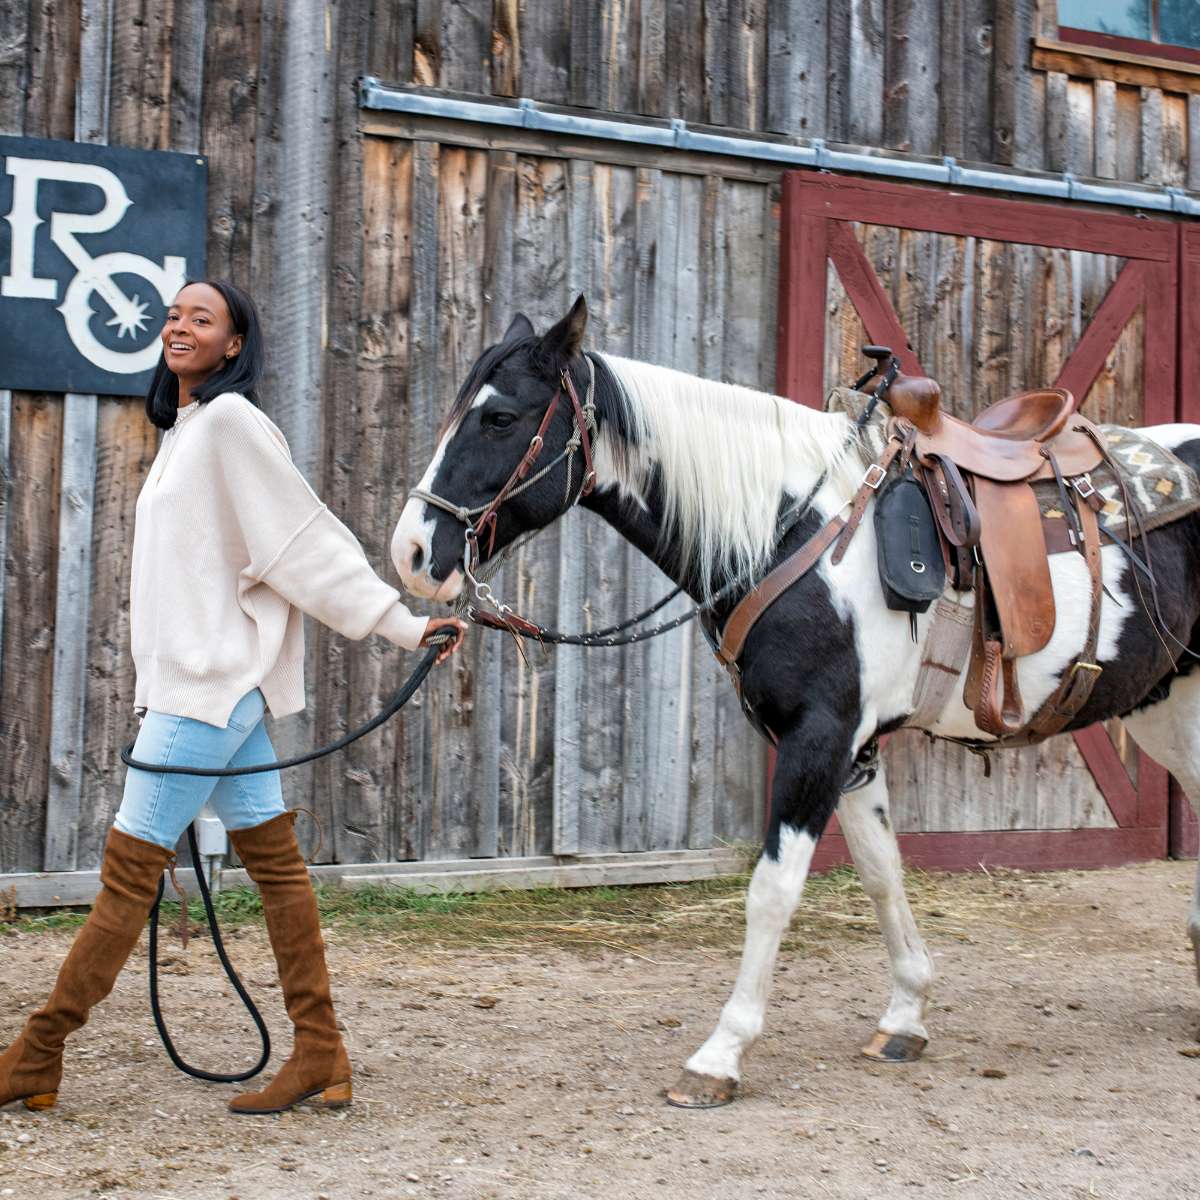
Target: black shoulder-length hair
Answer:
pixel 240 374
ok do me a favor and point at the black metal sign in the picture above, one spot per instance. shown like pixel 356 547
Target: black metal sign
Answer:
pixel 94 243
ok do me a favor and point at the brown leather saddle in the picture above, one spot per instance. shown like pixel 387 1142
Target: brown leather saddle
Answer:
pixel 978 476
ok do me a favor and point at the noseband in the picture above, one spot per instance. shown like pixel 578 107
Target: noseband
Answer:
pixel 583 431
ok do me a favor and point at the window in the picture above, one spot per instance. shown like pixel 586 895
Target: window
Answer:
pixel 1158 28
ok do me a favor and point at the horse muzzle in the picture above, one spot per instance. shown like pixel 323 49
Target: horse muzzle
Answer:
pixel 412 555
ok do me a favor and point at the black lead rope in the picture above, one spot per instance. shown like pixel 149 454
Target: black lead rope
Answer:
pixel 230 973
pixel 397 702
pixel 393 706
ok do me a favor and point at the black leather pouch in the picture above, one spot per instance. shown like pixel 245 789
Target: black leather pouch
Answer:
pixel 911 568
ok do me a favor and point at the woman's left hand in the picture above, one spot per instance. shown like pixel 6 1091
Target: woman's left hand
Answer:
pixel 444 625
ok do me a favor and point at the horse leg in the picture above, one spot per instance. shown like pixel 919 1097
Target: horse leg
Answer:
pixel 1167 731
pixel 712 1074
pixel 867 825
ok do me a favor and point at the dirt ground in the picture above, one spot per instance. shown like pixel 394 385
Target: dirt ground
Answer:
pixel 1063 1062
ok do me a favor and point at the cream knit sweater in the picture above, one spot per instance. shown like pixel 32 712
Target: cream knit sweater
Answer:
pixel 230 546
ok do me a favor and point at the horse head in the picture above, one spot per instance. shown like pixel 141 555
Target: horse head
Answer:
pixel 513 456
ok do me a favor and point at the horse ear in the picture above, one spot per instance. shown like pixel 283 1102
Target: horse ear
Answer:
pixel 521 327
pixel 563 341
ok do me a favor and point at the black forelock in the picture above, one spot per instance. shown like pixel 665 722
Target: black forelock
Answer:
pixel 481 371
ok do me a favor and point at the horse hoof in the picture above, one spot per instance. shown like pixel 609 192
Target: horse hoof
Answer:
pixel 701 1091
pixel 894 1048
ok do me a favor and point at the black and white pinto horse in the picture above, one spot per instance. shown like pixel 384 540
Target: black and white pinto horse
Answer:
pixel 695 474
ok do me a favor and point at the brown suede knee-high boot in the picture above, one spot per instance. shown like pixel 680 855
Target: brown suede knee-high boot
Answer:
pixel 319 1068
pixel 30 1069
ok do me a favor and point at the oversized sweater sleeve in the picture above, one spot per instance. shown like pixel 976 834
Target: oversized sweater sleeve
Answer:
pixel 294 543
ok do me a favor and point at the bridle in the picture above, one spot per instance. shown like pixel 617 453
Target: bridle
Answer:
pixel 583 431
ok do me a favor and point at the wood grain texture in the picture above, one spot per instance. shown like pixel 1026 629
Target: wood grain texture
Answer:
pixel 950 77
pixel 978 90
pixel 125 447
pixel 747 65
pixel 27 662
pixel 506 48
pixel 352 791
pixel 1105 108
pixel 301 54
pixel 233 45
pixel 540 231
pixel 797 69
pixel 1150 159
pixel 683 62
pixel 499 291
pixel 545 51
pixel 454 693
pixel 73 568
pixel 911 59
pixel 73 571
pixel 390 40
pixel 1193 142
pixel 14 64
pixel 53 58
pixel 422 414
pixel 1018 132
pixel 465 45
pixel 865 74
pixel 574 565
pixel 375 459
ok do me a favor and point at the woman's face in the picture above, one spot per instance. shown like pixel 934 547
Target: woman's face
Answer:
pixel 199 334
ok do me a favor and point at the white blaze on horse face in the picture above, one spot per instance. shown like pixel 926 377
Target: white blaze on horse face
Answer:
pixel 412 542
pixel 771 899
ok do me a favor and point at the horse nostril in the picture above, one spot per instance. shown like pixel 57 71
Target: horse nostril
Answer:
pixel 418 559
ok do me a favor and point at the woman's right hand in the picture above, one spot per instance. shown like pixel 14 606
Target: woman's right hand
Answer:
pixel 445 625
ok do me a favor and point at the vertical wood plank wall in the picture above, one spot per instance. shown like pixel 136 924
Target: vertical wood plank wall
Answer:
pixel 383 267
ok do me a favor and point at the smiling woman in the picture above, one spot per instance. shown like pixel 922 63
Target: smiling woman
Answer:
pixel 231 546
pixel 212 343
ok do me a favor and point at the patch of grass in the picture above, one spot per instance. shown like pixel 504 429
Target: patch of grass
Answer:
pixel 630 919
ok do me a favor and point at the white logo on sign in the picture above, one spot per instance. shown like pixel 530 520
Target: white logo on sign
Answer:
pixel 92 274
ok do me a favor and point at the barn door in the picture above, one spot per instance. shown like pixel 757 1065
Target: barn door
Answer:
pixel 991 297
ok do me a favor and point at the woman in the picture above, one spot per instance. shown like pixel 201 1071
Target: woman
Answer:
pixel 230 546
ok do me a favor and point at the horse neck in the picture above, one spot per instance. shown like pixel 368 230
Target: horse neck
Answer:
pixel 790 458
pixel 642 526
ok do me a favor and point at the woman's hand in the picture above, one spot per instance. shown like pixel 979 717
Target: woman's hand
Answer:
pixel 445 625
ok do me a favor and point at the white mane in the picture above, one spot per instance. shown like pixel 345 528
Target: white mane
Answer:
pixel 726 457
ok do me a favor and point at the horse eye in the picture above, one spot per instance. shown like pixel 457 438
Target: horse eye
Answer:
pixel 498 420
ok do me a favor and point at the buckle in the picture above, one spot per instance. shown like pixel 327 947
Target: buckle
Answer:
pixel 873 481
pixel 1086 666
pixel 1081 482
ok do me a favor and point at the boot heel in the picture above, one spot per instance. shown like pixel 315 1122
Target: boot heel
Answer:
pixel 337 1096
pixel 40 1103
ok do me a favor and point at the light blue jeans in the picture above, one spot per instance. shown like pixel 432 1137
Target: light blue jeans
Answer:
pixel 158 808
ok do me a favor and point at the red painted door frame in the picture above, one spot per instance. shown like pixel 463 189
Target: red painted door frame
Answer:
pixel 817 210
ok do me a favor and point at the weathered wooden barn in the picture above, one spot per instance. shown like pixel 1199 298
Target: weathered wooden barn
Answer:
pixel 1011 195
